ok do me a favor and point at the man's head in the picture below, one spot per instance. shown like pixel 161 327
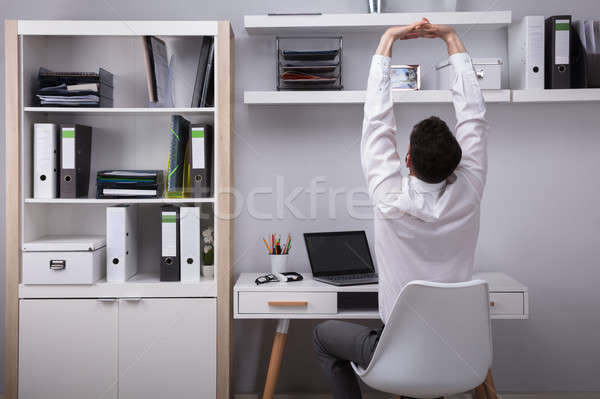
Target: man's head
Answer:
pixel 433 153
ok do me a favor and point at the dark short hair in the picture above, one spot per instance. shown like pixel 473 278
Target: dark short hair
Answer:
pixel 434 151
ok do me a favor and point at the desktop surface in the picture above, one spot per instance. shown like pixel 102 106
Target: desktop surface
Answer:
pixel 311 299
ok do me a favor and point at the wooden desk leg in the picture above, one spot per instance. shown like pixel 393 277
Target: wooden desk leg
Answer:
pixel 276 356
pixel 490 387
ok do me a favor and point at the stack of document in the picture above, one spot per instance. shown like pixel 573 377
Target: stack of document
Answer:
pixel 310 70
pixel 129 184
pixel 75 89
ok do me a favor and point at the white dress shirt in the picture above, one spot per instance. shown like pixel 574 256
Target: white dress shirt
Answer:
pixel 423 231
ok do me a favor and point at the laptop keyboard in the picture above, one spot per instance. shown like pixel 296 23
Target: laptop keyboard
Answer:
pixel 345 277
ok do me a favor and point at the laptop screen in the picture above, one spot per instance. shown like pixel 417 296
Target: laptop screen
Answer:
pixel 338 253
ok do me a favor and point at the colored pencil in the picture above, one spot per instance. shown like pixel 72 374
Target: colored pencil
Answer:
pixel 267 245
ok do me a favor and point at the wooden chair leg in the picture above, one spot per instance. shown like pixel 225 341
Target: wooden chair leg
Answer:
pixel 480 392
pixel 490 387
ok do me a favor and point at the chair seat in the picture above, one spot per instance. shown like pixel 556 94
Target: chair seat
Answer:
pixel 437 341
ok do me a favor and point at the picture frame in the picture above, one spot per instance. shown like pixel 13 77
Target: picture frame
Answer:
pixel 405 77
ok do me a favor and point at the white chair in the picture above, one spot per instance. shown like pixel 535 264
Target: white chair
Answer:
pixel 437 341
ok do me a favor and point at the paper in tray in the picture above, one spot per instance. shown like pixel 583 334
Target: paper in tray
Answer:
pixel 309 68
pixel 310 55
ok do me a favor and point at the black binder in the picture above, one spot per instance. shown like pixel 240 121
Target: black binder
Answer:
pixel 559 51
pixel 75 159
pixel 203 63
pixel 170 251
pixel 201 158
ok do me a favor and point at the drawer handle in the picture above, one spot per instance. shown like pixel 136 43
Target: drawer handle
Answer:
pixel 288 303
pixel 58 264
pixel 132 299
pixel 492 304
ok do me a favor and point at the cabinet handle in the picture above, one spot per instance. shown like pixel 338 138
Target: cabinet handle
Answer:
pixel 132 299
pixel 288 303
pixel 492 304
pixel 58 264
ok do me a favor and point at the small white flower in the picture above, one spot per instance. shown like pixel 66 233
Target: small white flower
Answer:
pixel 207 248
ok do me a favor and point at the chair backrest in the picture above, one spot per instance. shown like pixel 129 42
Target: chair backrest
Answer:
pixel 436 342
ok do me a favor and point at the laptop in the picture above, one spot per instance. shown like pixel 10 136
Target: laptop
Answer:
pixel 340 258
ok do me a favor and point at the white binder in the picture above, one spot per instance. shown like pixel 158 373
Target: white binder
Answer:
pixel 526 53
pixel 189 236
pixel 45 160
pixel 121 243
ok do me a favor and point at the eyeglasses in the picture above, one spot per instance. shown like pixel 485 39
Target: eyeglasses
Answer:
pixel 266 279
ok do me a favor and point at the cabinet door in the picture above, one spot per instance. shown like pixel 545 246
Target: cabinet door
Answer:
pixel 67 349
pixel 167 348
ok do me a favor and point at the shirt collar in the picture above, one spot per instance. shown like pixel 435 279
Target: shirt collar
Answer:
pixel 421 187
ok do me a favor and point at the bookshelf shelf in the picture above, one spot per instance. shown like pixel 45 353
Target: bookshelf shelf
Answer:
pixel 120 111
pixel 140 286
pixel 119 201
pixel 358 97
pixel 339 23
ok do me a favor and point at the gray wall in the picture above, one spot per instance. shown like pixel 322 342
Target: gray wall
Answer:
pixel 540 219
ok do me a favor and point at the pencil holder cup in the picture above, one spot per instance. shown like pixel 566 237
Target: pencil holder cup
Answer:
pixel 278 263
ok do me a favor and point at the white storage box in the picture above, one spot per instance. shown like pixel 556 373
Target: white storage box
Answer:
pixel 488 70
pixel 64 260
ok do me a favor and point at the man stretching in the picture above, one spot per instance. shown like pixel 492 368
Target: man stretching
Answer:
pixel 427 223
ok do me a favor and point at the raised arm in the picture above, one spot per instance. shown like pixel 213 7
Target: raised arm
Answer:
pixel 471 126
pixel 379 156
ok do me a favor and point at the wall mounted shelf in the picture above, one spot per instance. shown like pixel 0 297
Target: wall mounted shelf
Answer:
pixel 549 96
pixel 332 23
pixel 358 97
pixel 418 97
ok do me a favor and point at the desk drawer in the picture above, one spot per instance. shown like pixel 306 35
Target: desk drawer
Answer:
pixel 506 303
pixel 287 302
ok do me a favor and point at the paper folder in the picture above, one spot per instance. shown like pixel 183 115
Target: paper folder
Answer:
pixel 121 243
pixel 189 228
pixel 201 160
pixel 45 160
pixel 170 253
pixel 558 52
pixel 75 159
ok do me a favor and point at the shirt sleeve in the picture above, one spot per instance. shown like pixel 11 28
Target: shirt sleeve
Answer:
pixel 379 156
pixel 471 126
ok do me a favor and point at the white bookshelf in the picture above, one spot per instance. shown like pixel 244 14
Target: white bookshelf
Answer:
pixel 129 136
pixel 290 97
pixel 340 23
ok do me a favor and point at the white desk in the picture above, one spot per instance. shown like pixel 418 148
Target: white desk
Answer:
pixel 310 299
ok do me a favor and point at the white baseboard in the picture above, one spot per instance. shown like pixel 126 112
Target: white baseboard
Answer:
pixel 531 395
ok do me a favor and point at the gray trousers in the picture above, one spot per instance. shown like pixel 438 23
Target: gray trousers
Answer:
pixel 337 343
